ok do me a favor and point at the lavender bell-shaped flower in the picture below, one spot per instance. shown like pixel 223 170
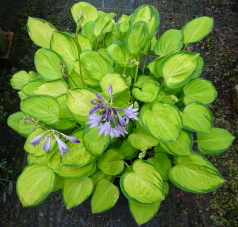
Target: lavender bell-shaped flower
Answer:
pixel 36 140
pixel 62 146
pixel 106 117
pixel 47 144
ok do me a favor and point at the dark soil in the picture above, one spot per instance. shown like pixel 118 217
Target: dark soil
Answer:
pixel 219 51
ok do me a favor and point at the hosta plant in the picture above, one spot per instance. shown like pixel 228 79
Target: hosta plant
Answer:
pixel 97 110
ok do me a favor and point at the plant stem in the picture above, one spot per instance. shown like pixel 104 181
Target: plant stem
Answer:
pixel 79 50
pixel 136 72
pixel 145 60
pixel 127 165
pixel 185 46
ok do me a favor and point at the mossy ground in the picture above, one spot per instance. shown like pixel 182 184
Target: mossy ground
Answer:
pixel 219 50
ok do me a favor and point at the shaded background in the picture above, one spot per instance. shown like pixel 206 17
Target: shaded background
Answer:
pixel 219 50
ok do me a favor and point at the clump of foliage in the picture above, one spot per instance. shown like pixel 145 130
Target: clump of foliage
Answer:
pixel 107 117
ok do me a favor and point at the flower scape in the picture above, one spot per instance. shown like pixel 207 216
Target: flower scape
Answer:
pixel 96 109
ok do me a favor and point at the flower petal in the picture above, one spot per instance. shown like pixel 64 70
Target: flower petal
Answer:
pixel 35 141
pixel 61 145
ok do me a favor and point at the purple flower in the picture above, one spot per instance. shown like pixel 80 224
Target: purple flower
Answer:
pixel 108 120
pixel 47 144
pixel 62 146
pixel 70 138
pixel 35 141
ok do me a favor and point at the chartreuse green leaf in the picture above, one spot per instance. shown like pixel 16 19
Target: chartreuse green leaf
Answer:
pixel 74 192
pixel 149 15
pixel 70 172
pixel 141 139
pixel 147 187
pixel 64 112
pixel 87 31
pixel 118 83
pixel 47 64
pixel 64 124
pixel 79 102
pixel 63 44
pixel 166 188
pixel 195 174
pixel 74 79
pixel 95 65
pixel 28 90
pixel 78 155
pixel 52 88
pixel 16 122
pixel 102 51
pixel 142 79
pixel 162 163
pixel 197 117
pixel 197 29
pixel 59 184
pixel 199 90
pixel 104 197
pixel 180 148
pixel 42 107
pixel 40 31
pixel 128 150
pixel 84 43
pixel 154 67
pixel 118 52
pixel 36 150
pixel 162 121
pixel 199 68
pixel 137 38
pixel 102 23
pixel 99 175
pixel 143 213
pixel 148 92
pixel 34 184
pixel 19 80
pixel 94 143
pixel 215 142
pixel 40 160
pixel 177 69
pixel 170 42
pixel 90 12
pixel 111 162
pixel 123 23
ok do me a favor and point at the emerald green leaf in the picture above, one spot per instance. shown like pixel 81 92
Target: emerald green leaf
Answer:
pixel 118 52
pixel 199 90
pixel 137 38
pixel 162 164
pixel 128 150
pixel 64 124
pixel 197 117
pixel 111 162
pixel 70 172
pixel 166 188
pixel 104 197
pixel 47 64
pixel 74 192
pixel 64 45
pixel 148 93
pixel 40 31
pixel 36 150
pixel 199 68
pixel 42 107
pixel 34 184
pixel 90 12
pixel 19 80
pixel 197 29
pixel 215 142
pixel 94 143
pixel 16 122
pixel 147 187
pixel 64 112
pixel 180 148
pixel 162 121
pixel 143 213
pixel 117 82
pixel 195 174
pixel 95 65
pixel 52 88
pixel 78 155
pixel 141 139
pixel 87 31
pixel 28 90
pixel 149 15
pixel 177 69
pixel 170 42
